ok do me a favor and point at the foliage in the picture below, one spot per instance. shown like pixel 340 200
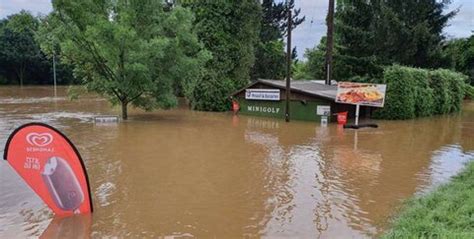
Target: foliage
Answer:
pixel 270 51
pixel 315 61
pixel 415 92
pixel 424 94
pixel 271 61
pixel 132 52
pixel 211 94
pixel 229 30
pixel 19 53
pixel 469 92
pixel 300 71
pixel 373 34
pixel 449 90
pixel 400 95
pixel 445 212
pixel 460 56
pixel 22 61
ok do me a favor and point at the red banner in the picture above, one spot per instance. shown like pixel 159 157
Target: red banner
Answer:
pixel 51 165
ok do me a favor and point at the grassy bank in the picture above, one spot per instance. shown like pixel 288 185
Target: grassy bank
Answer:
pixel 447 212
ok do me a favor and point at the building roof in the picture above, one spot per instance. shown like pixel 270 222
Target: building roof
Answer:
pixel 313 88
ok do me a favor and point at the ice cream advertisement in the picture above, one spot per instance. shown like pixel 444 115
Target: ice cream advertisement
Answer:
pixel 50 164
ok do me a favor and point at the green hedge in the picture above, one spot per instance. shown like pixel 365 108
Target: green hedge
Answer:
pixel 469 92
pixel 413 92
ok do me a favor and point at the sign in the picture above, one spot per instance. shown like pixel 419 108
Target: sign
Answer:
pixel 263 109
pixel 323 110
pixel 262 94
pixel 50 164
pixel 361 94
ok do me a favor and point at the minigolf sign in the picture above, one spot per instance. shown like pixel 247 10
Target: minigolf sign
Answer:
pixel 51 165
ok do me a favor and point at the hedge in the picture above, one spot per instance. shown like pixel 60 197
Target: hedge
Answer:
pixel 413 92
pixel 469 92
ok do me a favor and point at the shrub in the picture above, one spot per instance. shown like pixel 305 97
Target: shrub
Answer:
pixel 424 95
pixel 415 92
pixel 457 90
pixel 440 83
pixel 211 94
pixel 400 95
pixel 469 91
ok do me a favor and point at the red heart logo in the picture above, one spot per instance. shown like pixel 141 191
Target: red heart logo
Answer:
pixel 39 140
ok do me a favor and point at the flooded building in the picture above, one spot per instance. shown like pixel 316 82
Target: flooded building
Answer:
pixel 309 100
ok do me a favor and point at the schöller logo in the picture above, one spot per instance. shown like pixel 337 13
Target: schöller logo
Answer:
pixel 40 140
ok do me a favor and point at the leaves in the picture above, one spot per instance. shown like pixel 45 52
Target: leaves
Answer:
pixel 132 52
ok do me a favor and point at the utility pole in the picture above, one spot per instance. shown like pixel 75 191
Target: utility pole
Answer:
pixel 54 75
pixel 330 42
pixel 288 64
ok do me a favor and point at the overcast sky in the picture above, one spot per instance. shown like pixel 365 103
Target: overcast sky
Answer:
pixel 307 35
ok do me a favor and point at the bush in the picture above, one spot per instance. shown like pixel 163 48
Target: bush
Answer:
pixel 424 95
pixel 469 91
pixel 400 95
pixel 211 94
pixel 415 92
pixel 441 85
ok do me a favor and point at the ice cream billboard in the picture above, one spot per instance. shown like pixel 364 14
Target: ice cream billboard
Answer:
pixel 50 164
pixel 361 94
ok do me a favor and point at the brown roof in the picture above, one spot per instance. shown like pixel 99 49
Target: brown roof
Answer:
pixel 312 88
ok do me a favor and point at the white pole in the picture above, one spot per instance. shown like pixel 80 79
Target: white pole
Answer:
pixel 357 115
pixel 54 75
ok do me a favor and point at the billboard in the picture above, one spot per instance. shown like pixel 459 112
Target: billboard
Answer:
pixel 50 164
pixel 361 94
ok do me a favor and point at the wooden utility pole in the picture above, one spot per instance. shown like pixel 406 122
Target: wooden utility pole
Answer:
pixel 288 64
pixel 330 42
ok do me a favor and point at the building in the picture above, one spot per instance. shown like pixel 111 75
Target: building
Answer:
pixel 308 98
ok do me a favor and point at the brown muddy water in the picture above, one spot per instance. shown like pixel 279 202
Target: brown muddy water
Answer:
pixel 185 174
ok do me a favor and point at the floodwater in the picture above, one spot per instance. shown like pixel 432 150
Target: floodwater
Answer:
pixel 185 174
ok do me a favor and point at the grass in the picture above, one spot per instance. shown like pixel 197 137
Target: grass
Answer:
pixel 447 212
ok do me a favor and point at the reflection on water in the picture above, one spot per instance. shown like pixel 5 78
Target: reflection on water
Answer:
pixel 184 174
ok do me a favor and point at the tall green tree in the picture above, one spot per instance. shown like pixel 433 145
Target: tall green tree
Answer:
pixel 130 51
pixel 229 30
pixel 372 34
pixel 270 50
pixel 19 51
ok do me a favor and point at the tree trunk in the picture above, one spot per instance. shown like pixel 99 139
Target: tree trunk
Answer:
pixel 124 110
pixel 21 74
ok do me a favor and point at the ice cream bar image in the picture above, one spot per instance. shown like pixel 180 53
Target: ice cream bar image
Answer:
pixel 62 184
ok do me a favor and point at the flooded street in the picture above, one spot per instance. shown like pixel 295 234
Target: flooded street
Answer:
pixel 185 174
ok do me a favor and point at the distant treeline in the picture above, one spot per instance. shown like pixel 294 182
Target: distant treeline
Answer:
pixel 21 59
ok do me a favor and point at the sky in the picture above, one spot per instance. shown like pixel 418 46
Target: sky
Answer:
pixel 306 35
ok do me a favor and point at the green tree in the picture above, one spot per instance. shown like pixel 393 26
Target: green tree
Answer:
pixel 18 48
pixel 229 30
pixel 270 50
pixel 373 34
pixel 132 52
